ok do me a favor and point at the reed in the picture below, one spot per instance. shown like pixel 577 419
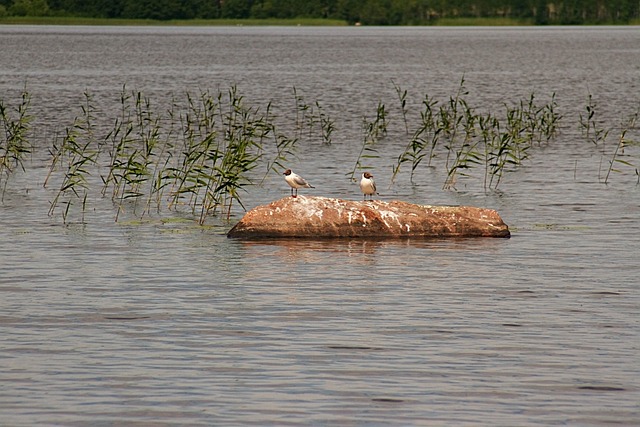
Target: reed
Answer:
pixel 199 154
pixel 402 97
pixel 14 142
pixel 283 147
pixel 461 138
pixel 451 120
pixel 549 120
pixel 471 139
pixel 133 141
pixel 622 141
pixel 372 132
pixel 241 155
pixel 302 112
pixel 425 137
pixel 326 124
pixel 367 149
pixel 590 127
pixel 77 153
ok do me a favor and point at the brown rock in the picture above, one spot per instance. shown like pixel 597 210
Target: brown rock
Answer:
pixel 320 217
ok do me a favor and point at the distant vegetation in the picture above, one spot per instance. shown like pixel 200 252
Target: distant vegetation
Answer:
pixel 365 12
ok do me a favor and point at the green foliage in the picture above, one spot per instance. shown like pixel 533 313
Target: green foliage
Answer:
pixel 616 160
pixel 14 143
pixel 199 154
pixel 470 139
pixel 590 126
pixel 76 153
pixel 372 132
pixel 366 12
pixel 29 8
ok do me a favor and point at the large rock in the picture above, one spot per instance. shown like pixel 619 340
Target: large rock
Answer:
pixel 319 217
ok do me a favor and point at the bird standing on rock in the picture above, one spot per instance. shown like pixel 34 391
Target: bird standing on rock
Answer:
pixel 295 181
pixel 367 185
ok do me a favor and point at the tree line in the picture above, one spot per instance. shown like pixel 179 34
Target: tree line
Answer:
pixel 366 12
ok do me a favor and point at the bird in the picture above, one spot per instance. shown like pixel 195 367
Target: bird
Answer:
pixel 367 185
pixel 295 181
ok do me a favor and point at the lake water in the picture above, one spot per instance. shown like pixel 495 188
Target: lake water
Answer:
pixel 163 322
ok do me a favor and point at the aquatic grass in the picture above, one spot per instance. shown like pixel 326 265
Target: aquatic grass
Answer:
pixel 326 124
pixel 133 141
pixel 283 145
pixel 198 155
pixel 425 137
pixel 242 152
pixel 308 116
pixel 14 142
pixel 370 135
pixel 471 139
pixel 549 120
pixel 402 97
pixel 302 112
pixel 77 153
pixel 139 152
pixel 587 120
pixel 222 144
pixel 462 139
pixel 622 141
pixel 379 125
pixel 198 150
pixel 74 185
pixel 489 134
pixel 590 126
pixel 451 120
pixel 161 160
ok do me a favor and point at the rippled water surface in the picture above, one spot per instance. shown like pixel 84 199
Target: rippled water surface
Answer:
pixel 163 322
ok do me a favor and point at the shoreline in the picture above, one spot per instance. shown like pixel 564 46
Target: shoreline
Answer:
pixel 444 22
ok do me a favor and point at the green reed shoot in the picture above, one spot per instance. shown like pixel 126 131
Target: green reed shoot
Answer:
pixel 200 151
pixel 428 122
pixel 466 152
pixel 370 133
pixel 425 137
pixel 142 151
pixel 451 120
pixel 78 152
pixel 14 143
pixel 161 159
pixel 589 124
pixel 284 146
pixel 242 151
pixel 119 138
pixel 303 112
pixel 305 115
pixel 549 120
pixel 622 141
pixel 471 139
pixel 587 120
pixel 379 125
pixel 402 97
pixel 326 124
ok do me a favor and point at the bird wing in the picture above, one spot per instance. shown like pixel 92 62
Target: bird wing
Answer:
pixel 300 181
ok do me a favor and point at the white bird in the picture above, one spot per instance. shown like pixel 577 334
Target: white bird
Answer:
pixel 367 185
pixel 295 181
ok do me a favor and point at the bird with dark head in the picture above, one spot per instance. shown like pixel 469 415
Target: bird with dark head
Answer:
pixel 368 185
pixel 295 181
